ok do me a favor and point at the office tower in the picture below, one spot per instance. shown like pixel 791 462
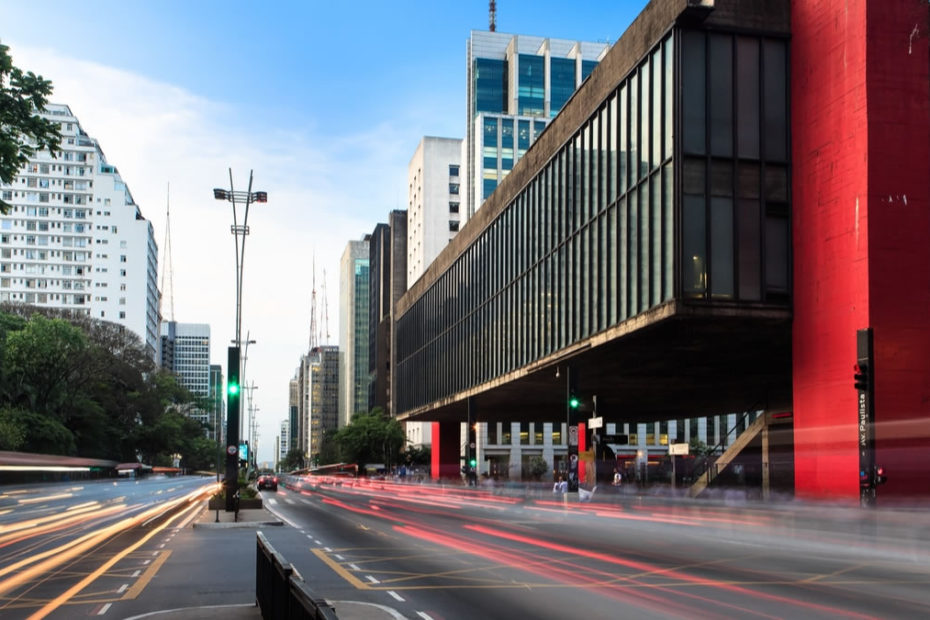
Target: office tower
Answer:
pixel 185 351
pixel 75 239
pixel 353 330
pixel 516 84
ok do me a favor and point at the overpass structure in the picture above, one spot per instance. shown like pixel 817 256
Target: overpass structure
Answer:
pixel 644 248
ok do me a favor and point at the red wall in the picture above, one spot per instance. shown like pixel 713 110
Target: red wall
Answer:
pixel 861 230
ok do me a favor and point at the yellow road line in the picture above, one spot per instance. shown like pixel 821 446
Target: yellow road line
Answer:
pixel 339 570
pixel 146 577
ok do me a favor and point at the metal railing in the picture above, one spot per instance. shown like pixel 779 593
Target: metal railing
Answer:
pixel 709 462
pixel 281 592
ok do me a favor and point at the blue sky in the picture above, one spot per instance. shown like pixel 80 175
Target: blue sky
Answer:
pixel 325 101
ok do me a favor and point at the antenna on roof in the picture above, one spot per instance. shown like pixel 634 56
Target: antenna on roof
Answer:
pixel 492 16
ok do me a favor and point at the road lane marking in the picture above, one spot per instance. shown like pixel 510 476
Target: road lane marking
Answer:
pixel 396 595
pixel 340 558
pixel 339 570
pixel 136 574
pixel 122 588
pixel 327 550
pixel 354 567
pixel 371 579
pixel 424 615
pixel 104 609
pixel 146 577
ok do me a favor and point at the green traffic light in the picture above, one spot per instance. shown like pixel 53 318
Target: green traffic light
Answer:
pixel 233 388
pixel 574 402
pixel 473 462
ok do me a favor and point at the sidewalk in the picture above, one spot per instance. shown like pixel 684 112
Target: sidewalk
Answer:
pixel 248 521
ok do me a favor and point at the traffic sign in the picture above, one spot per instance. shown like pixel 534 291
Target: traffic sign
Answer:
pixel 597 422
pixel 678 448
pixel 231 450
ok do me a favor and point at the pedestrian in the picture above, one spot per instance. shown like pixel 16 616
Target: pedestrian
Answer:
pixel 618 478
pixel 560 487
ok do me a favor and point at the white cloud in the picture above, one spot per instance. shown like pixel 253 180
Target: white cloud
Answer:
pixel 322 193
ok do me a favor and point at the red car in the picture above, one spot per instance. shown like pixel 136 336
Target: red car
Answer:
pixel 267 481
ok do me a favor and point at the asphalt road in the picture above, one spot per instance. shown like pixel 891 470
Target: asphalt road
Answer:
pixel 464 553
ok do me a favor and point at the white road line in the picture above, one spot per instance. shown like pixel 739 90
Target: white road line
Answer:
pixel 154 553
pixel 289 500
pixel 371 579
pixel 136 574
pixel 146 562
pixel 104 609
pixel 122 588
pixel 424 615
pixel 339 557
pixel 396 595
pixel 354 567
pixel 272 501
pixel 317 542
pixel 327 550
pixel 161 546
pixel 310 536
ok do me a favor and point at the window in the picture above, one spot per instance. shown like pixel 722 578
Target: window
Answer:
pixel 122 258
pixel 453 225
pixel 453 207
pixel 453 170
pixel 454 188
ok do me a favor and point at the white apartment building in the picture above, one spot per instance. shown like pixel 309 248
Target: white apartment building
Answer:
pixel 353 330
pixel 74 238
pixel 434 201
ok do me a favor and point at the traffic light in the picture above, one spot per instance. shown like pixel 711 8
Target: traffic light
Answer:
pixel 473 462
pixel 861 377
pixel 574 402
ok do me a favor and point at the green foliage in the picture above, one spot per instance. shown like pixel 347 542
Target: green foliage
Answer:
pixel 22 130
pixel 90 388
pixel 418 455
pixel 372 437
pixel 698 447
pixel 536 467
pixel 12 430
pixel 294 459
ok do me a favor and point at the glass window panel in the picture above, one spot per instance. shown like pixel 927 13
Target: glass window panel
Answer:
pixel 693 95
pixel 633 203
pixel 490 85
pixel 776 254
pixel 623 131
pixel 613 280
pixel 721 244
pixel 750 254
pixel 531 85
pixel 634 129
pixel 748 180
pixel 694 247
pixel 695 175
pixel 721 177
pixel 644 119
pixel 657 73
pixel 775 99
pixel 776 183
pixel 655 208
pixel 611 146
pixel 747 97
pixel 668 205
pixel 622 260
pixel 644 253
pixel 669 105
pixel 507 144
pixel 720 64
pixel 523 137
pixel 561 83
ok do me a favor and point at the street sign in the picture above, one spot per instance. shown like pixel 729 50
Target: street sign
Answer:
pixel 597 422
pixel 678 449
pixel 231 449
pixel 573 435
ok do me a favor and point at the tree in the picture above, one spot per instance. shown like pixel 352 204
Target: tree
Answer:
pixel 372 437
pixel 294 459
pixel 536 467
pixel 22 130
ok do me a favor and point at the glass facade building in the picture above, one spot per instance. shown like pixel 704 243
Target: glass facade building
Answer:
pixel 676 187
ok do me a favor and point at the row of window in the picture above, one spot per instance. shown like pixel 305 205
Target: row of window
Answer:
pixel 591 241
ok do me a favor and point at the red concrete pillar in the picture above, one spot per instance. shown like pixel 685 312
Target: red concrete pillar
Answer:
pixel 446 450
pixel 860 106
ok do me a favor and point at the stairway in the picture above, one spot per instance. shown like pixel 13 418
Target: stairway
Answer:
pixel 744 439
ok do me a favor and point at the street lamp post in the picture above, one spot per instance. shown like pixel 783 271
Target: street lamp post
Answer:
pixel 240 232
